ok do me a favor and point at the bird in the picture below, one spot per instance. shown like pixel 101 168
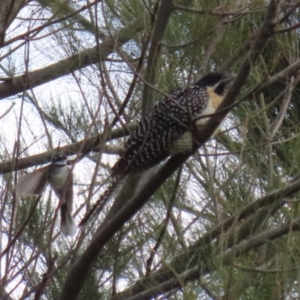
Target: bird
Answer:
pixel 59 175
pixel 167 130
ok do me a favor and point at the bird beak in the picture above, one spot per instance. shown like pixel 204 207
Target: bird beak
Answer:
pixel 229 78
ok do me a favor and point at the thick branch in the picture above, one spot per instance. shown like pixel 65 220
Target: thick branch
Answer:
pixel 64 67
pixel 8 12
pixel 163 15
pixel 62 8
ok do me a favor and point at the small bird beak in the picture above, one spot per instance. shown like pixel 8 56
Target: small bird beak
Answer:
pixel 229 77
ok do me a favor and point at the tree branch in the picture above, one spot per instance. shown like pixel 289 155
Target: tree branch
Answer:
pixel 85 146
pixel 71 64
pixel 155 286
pixel 198 250
pixel 163 15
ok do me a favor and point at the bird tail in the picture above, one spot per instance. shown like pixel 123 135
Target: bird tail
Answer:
pixel 67 226
pixel 106 196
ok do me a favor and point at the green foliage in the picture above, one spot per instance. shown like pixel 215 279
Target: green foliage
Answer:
pixel 184 228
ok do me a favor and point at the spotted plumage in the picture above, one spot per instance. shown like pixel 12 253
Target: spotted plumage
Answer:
pixel 151 142
pixel 159 134
pixel 166 130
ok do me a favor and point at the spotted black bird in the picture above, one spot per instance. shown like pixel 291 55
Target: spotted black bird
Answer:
pixel 60 178
pixel 166 130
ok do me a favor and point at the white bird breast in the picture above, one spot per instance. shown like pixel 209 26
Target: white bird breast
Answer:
pixel 58 179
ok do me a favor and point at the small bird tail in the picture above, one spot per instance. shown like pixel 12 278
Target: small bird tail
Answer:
pixel 67 226
pixel 106 196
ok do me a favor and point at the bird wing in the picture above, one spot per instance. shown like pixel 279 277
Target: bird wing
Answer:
pixel 32 183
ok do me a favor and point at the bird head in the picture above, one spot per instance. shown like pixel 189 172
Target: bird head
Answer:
pixel 218 81
pixel 59 159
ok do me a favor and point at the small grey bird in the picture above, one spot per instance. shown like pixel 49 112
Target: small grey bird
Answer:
pixel 60 178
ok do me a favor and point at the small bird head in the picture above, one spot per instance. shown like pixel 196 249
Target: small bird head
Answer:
pixel 218 81
pixel 59 159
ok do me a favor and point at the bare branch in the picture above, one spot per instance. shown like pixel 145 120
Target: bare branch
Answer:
pixel 199 249
pixel 86 145
pixel 71 64
pixel 163 15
